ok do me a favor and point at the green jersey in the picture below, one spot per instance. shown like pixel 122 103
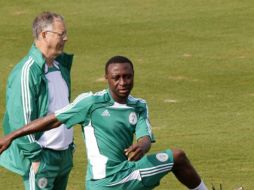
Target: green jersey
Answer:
pixel 108 129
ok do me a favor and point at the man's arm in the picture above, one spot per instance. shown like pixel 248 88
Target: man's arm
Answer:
pixel 137 151
pixel 38 125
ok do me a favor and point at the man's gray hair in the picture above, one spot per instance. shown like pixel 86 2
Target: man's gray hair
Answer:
pixel 44 21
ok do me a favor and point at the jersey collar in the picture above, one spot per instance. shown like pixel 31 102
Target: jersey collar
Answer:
pixel 130 100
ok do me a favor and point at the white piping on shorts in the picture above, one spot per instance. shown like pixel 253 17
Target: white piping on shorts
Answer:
pixel 146 172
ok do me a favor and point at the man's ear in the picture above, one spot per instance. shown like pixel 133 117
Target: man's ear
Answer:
pixel 106 76
pixel 43 34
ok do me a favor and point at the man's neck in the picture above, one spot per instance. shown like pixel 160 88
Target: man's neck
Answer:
pixel 49 62
pixel 119 100
pixel 46 54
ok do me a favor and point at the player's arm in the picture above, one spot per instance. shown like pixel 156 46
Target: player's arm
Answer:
pixel 138 150
pixel 143 134
pixel 70 115
pixel 38 125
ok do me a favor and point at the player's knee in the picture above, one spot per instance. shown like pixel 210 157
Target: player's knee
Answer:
pixel 180 157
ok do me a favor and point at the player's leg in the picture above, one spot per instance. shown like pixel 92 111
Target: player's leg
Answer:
pixel 65 169
pixel 116 182
pixel 48 171
pixel 185 172
pixel 40 179
pixel 154 167
pixel 144 174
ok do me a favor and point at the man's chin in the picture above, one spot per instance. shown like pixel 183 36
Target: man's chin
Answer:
pixel 59 53
pixel 124 94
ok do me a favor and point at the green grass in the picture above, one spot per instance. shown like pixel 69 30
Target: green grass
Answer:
pixel 193 64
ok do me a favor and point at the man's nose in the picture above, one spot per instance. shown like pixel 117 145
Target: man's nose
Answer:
pixel 122 81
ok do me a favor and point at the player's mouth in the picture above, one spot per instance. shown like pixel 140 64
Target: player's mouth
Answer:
pixel 124 90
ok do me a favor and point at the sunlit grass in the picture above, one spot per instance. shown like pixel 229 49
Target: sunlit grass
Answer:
pixel 193 64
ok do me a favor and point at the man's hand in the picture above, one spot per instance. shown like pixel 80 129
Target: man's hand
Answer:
pixel 136 151
pixel 35 166
pixel 4 143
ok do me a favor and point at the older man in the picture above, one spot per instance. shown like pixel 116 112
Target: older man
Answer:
pixel 37 86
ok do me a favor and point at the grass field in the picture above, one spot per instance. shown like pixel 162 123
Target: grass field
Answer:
pixel 194 64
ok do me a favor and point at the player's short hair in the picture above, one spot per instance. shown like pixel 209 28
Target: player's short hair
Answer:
pixel 44 21
pixel 118 59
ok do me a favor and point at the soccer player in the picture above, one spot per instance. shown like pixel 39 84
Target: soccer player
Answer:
pixel 39 85
pixel 109 120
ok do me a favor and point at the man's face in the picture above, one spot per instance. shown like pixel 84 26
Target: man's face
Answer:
pixel 56 37
pixel 120 80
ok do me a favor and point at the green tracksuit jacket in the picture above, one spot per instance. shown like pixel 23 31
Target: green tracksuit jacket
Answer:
pixel 27 100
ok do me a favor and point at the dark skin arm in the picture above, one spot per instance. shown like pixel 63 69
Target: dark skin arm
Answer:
pixel 38 125
pixel 136 151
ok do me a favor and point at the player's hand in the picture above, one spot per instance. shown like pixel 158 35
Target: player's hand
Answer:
pixel 35 166
pixel 134 152
pixel 4 143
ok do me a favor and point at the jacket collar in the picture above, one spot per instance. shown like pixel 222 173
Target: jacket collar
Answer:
pixel 37 56
pixel 55 64
pixel 64 59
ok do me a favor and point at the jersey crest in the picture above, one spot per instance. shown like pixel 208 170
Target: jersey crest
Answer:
pixel 162 157
pixel 133 118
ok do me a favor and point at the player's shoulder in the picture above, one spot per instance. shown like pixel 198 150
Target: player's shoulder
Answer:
pixel 135 99
pixel 83 96
pixel 92 97
pixel 101 96
pixel 137 102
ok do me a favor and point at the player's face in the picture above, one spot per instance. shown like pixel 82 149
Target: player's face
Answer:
pixel 56 38
pixel 120 80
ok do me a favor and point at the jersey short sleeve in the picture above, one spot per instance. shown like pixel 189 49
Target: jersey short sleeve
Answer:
pixel 77 111
pixel 143 126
